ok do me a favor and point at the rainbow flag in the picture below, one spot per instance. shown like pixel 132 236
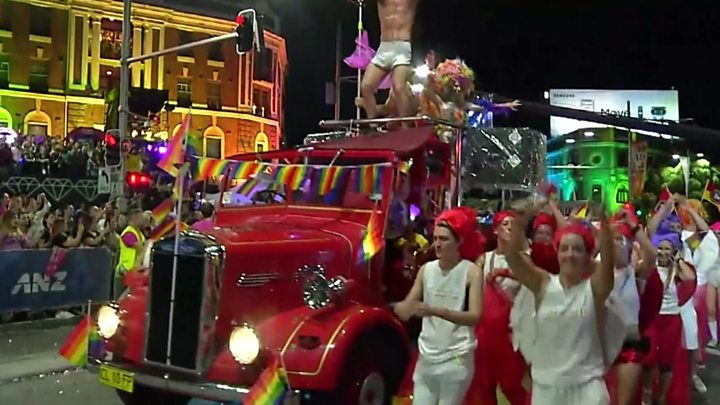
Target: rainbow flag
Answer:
pixel 368 179
pixel 582 212
pixel 248 186
pixel 271 387
pixel 372 241
pixel 207 168
pixel 291 176
pixel 75 348
pixel 175 155
pixel 165 227
pixel 244 170
pixel 329 178
pixel 163 210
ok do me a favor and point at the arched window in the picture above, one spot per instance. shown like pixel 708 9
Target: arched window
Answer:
pixel 37 123
pixel 213 142
pixel 622 195
pixel 5 118
pixel 262 143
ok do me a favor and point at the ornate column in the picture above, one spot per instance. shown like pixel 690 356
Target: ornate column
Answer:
pixel 85 51
pixel 95 55
pixel 161 60
pixel 147 70
pixel 136 51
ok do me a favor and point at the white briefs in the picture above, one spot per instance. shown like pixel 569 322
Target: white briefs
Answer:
pixel 391 54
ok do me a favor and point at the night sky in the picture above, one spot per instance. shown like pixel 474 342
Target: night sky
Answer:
pixel 519 49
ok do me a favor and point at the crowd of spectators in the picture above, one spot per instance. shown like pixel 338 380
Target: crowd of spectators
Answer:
pixel 41 156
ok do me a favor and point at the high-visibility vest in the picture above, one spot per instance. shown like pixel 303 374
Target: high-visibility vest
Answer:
pixel 128 254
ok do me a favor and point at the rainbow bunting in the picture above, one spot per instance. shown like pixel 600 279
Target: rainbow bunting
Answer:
pixel 210 168
pixel 176 150
pixel 368 179
pixel 75 348
pixel 244 170
pixel 271 387
pixel 291 176
pixel 329 178
pixel 163 210
pixel 373 240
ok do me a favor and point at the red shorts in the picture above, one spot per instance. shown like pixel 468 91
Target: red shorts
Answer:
pixel 666 339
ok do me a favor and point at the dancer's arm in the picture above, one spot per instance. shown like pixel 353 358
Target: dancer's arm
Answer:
pixel 603 278
pixel 662 213
pixel 700 224
pixel 685 271
pixel 523 269
pixel 648 253
pixel 472 316
pixel 408 307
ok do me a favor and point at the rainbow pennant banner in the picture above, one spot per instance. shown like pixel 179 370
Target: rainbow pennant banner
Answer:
pixel 368 179
pixel 208 168
pixel 292 175
pixel 271 387
pixel 328 179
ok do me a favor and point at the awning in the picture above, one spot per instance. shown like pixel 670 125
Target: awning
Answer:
pixel 403 141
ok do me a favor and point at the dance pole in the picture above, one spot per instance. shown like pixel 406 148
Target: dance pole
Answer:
pixel 361 4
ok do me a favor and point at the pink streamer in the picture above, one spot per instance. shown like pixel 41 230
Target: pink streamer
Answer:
pixel 363 55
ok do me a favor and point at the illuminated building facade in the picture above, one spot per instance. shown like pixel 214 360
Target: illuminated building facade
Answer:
pixel 592 164
pixel 60 58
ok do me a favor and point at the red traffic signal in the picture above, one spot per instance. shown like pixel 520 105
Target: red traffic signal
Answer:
pixel 110 140
pixel 138 180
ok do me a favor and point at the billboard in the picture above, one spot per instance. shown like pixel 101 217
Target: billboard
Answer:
pixel 658 105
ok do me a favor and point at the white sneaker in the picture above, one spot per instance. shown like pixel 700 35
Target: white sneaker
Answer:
pixel 698 384
pixel 64 315
pixel 712 343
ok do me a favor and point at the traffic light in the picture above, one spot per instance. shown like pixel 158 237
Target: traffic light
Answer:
pixel 112 149
pixel 249 30
pixel 138 181
pixel 246 32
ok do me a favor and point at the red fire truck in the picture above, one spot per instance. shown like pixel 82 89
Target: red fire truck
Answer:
pixel 279 276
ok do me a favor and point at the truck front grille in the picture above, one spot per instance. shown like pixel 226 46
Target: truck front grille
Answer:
pixel 173 335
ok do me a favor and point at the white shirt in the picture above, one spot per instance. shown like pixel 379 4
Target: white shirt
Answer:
pixel 441 340
pixel 626 292
pixel 567 348
pixel 670 303
pixel 704 257
pixel 495 262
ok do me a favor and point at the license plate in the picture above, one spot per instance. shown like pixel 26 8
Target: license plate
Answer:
pixel 116 378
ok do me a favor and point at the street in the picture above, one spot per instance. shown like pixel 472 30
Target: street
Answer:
pixel 31 372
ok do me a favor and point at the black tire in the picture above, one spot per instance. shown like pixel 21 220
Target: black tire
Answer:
pixel 143 395
pixel 373 371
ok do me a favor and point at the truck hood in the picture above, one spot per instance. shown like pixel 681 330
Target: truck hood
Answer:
pixel 260 276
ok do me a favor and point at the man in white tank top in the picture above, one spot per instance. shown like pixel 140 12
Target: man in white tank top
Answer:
pixel 447 294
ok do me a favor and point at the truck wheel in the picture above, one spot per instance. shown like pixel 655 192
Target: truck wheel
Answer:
pixel 143 395
pixel 373 371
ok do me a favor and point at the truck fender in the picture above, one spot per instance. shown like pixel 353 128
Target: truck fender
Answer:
pixel 314 344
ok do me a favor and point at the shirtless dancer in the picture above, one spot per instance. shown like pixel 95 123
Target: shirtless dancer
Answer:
pixel 393 56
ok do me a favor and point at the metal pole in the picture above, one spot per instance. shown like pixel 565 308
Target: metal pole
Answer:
pixel 123 105
pixel 183 47
pixel 361 4
pixel 338 57
pixel 631 164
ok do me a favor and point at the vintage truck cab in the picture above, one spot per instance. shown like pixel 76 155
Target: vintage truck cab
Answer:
pixel 280 277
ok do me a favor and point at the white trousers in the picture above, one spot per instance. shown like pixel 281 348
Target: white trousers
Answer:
pixel 593 392
pixel 690 325
pixel 443 384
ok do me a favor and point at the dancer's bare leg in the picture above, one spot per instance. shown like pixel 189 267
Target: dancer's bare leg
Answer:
pixel 401 76
pixel 628 379
pixel 712 300
pixel 370 83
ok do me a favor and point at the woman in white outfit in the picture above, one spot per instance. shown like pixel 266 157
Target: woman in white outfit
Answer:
pixel 562 328
pixel 447 294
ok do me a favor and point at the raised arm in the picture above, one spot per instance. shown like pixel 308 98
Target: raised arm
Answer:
pixel 662 213
pixel 559 217
pixel 700 224
pixel 648 252
pixel 603 279
pixel 529 275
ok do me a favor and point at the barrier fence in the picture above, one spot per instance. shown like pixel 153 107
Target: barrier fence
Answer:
pixel 26 285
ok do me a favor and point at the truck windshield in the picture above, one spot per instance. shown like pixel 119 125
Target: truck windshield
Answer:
pixel 318 186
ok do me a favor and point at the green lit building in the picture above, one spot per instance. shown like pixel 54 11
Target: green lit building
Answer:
pixel 592 164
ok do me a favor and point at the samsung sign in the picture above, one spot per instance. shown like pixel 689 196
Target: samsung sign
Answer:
pixel 658 105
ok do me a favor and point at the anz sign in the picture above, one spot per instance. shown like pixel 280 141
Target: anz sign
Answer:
pixel 35 283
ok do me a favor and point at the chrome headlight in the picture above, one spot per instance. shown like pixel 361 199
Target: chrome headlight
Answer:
pixel 318 291
pixel 108 321
pixel 244 345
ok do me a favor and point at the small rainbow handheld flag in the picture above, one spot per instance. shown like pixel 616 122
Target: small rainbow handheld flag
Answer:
pixel 165 227
pixel 163 210
pixel 75 348
pixel 373 240
pixel 271 388
pixel 176 150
